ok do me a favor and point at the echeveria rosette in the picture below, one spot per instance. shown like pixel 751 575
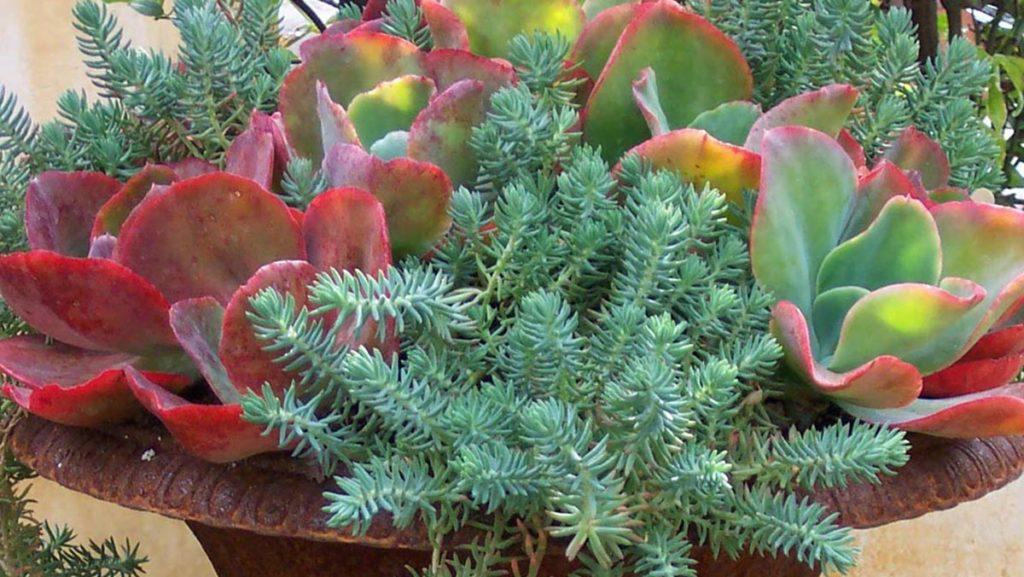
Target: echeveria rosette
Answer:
pixel 890 304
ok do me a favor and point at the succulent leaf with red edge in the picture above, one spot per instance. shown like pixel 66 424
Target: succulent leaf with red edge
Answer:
pixel 882 294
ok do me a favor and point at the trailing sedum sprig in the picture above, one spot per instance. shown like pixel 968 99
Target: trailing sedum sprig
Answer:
pixel 585 352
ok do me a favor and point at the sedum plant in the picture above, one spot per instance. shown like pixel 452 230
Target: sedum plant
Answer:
pixel 898 307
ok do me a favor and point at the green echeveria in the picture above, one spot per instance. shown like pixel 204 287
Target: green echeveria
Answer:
pixel 897 307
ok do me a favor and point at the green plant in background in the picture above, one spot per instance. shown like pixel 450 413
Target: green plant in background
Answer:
pixel 798 45
pixel 1005 97
pixel 30 548
pixel 599 370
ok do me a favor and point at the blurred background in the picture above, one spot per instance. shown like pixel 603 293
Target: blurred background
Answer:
pixel 39 60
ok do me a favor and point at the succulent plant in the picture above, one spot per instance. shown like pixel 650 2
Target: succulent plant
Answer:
pixel 137 315
pixel 896 306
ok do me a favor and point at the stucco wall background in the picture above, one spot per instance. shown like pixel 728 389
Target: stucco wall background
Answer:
pixel 38 60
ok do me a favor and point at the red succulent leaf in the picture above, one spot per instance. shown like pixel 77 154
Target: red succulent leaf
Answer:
pixel 114 212
pixel 447 67
pixel 852 148
pixel 874 190
pixel 995 360
pixel 883 382
pixel 446 30
pixel 414 194
pixel 192 167
pixel 345 229
pixel 215 433
pixel 914 151
pixel 197 324
pixel 824 110
pixel 375 9
pixel 335 125
pixel 95 304
pixel 247 364
pixel 440 133
pixel 261 152
pixel 207 236
pixel 992 413
pixel 69 385
pixel 347 65
pixel 103 246
pixel 599 37
pixel 60 208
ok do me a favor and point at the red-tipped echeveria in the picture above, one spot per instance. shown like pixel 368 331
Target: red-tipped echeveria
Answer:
pixel 168 296
pixel 896 307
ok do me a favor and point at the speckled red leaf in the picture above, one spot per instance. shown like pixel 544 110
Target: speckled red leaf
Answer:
pixel 95 304
pixel 252 155
pixel 448 66
pixel 994 361
pixel 60 208
pixel 70 385
pixel 883 382
pixel 216 433
pixel 415 195
pixel 114 212
pixel 874 190
pixel 247 364
pixel 915 151
pixel 440 133
pixel 446 29
pixel 375 9
pixel 852 148
pixel 992 413
pixel 103 246
pixel 335 125
pixel 347 65
pixel 824 110
pixel 206 236
pixel 345 229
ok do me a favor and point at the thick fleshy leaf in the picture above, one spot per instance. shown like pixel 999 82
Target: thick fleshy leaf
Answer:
pixel 69 385
pixel 345 229
pixel 446 30
pixel 682 48
pixel 103 246
pixel 492 25
pixel 599 37
pixel 60 208
pixel 993 413
pixel 248 365
pixel 830 309
pixel 885 182
pixel 440 134
pixel 197 324
pixel 374 9
pixel 113 213
pixel 729 122
pixel 824 110
pixel 901 246
pixel 994 361
pixel 95 304
pixel 945 194
pixel 448 67
pixel 645 93
pixel 881 383
pixel 592 8
pixel 807 183
pixel 206 236
pixel 335 125
pixel 700 159
pixel 852 148
pixel 393 145
pixel 984 243
pixel 923 325
pixel 216 433
pixel 914 151
pixel 192 167
pixel 415 194
pixel 389 106
pixel 252 155
pixel 347 65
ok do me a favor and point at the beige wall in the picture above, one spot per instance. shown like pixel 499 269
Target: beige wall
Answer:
pixel 38 60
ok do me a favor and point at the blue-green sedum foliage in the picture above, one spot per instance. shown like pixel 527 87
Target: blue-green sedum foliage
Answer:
pixel 585 359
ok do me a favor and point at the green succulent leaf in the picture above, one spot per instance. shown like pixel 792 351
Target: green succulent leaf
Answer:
pixel 389 106
pixel 923 325
pixel 830 309
pixel 729 122
pixel 901 246
pixel 491 26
